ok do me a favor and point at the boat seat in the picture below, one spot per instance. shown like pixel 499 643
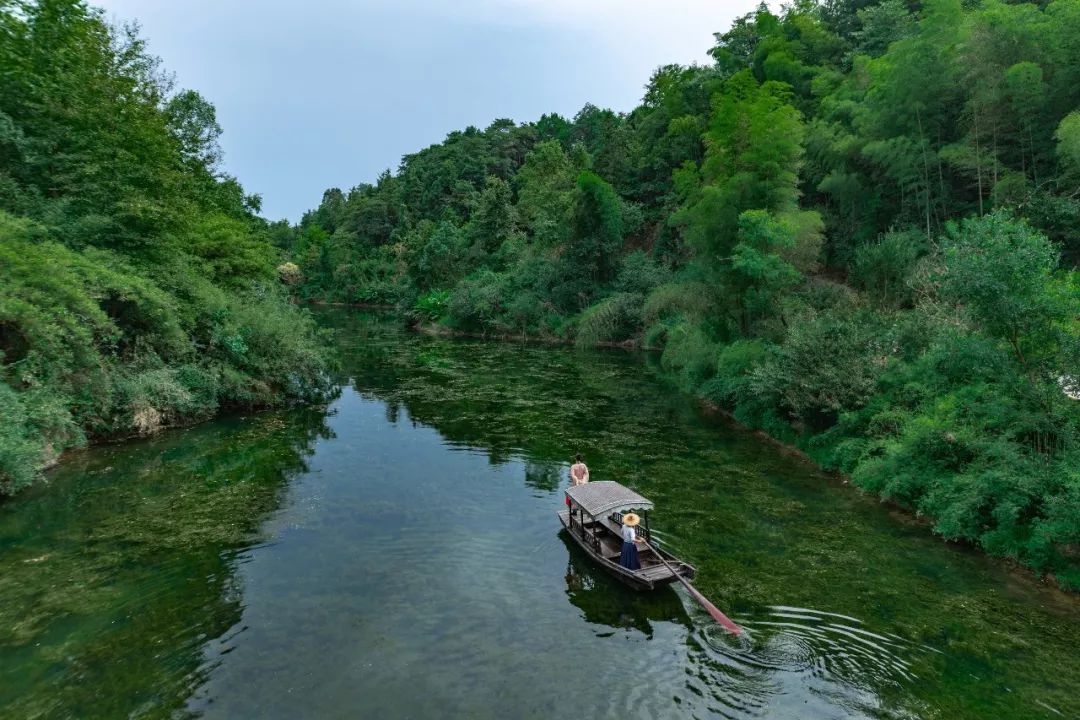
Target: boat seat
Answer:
pixel 655 572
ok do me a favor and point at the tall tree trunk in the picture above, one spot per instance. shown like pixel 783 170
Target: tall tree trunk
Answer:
pixel 978 160
pixel 941 183
pixel 926 171
pixel 1034 166
pixel 994 191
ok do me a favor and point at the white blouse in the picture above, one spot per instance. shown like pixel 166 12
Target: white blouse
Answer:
pixel 628 534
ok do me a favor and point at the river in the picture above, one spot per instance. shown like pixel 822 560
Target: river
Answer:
pixel 396 554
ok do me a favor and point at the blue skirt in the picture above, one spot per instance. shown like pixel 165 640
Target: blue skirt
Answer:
pixel 629 558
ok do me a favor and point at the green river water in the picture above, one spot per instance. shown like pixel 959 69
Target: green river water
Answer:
pixel 396 554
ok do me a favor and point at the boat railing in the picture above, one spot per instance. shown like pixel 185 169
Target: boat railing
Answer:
pixel 583 532
pixel 643 532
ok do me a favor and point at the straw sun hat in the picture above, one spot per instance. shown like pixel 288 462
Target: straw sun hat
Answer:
pixel 630 519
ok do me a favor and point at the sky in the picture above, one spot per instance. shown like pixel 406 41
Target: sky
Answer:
pixel 329 93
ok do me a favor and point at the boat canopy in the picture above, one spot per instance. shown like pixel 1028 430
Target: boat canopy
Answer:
pixel 601 497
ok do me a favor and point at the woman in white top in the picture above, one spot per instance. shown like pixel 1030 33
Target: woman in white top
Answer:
pixel 629 558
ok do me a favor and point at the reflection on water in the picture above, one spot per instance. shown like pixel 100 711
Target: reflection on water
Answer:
pixel 113 575
pixel 397 555
pixel 604 601
pixel 545 477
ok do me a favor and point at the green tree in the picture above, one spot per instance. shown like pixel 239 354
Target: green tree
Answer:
pixel 545 193
pixel 591 256
pixel 882 24
pixel 759 275
pixel 883 268
pixel 492 221
pixel 754 152
pixel 231 254
pixel 1067 136
pixel 1001 272
pixel 436 254
pixel 193 121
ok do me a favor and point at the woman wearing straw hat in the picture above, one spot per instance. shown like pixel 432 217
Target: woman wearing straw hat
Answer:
pixel 629 557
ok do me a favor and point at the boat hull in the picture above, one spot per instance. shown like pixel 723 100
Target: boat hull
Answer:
pixel 648 578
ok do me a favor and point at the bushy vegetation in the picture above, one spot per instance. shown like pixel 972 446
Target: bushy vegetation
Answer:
pixel 856 229
pixel 137 283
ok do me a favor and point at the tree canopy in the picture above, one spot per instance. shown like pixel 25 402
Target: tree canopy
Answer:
pixel 857 229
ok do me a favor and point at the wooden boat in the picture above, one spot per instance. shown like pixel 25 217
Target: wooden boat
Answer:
pixel 593 519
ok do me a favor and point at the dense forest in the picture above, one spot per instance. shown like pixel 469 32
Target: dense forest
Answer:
pixel 856 229
pixel 138 286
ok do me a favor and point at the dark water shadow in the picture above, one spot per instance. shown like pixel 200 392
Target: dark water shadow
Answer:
pixel 605 601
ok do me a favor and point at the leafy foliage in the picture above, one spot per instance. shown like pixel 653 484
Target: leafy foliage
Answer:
pixel 857 230
pixel 137 285
pixel 882 268
pixel 615 318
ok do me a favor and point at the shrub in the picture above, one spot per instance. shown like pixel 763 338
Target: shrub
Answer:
pixel 476 302
pixel 613 319
pixel 882 268
pixel 826 365
pixel 20 452
pixel 734 363
pixel 690 354
pixel 283 359
pixel 156 399
pixel 432 305
pixel 289 274
pixel 678 300
pixel 27 421
pixel 525 311
pixel 640 274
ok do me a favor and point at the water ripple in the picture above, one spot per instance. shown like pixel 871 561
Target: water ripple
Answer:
pixel 834 654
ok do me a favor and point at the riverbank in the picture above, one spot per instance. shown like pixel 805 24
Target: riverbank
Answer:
pixel 898 511
pixel 436 330
pixel 787 447
pixel 159 350
pixel 358 306
pixel 117 439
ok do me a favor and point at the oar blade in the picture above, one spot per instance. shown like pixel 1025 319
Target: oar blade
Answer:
pixel 714 611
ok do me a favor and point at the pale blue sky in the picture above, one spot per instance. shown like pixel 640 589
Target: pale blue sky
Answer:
pixel 329 93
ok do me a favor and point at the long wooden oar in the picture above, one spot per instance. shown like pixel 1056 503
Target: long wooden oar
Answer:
pixel 718 616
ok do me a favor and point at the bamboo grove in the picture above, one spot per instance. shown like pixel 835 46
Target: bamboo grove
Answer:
pixel 855 228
